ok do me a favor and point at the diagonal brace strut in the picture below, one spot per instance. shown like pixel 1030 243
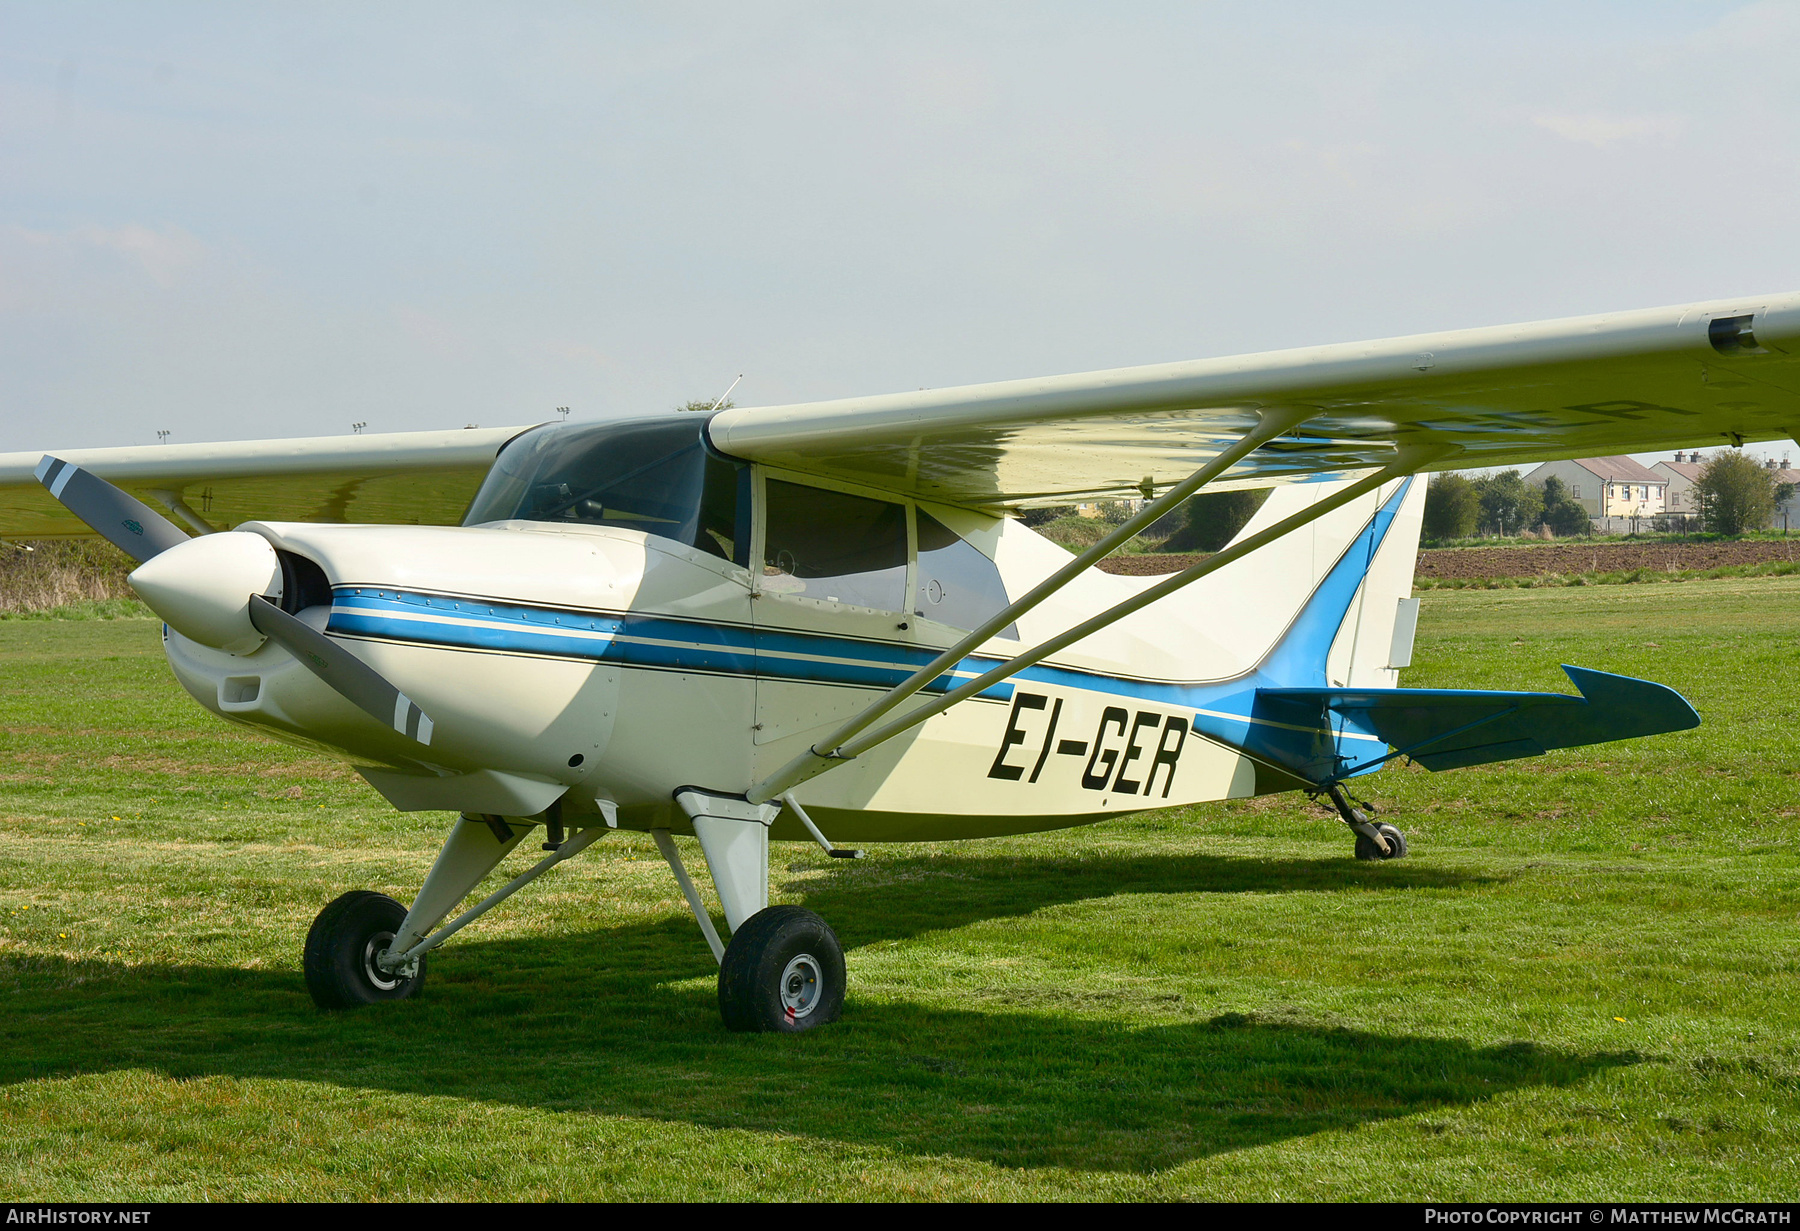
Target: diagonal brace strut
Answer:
pixel 1269 425
pixel 390 961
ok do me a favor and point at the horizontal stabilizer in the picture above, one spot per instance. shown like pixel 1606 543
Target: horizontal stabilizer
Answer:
pixel 1328 734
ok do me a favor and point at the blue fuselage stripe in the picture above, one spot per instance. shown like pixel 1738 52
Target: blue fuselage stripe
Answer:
pixel 629 639
pixel 638 641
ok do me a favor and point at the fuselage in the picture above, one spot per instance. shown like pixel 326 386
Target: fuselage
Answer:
pixel 591 660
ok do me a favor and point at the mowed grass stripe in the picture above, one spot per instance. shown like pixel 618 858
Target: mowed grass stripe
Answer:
pixel 1196 1003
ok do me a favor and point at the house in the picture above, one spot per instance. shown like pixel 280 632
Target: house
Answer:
pixel 1614 490
pixel 1685 469
pixel 1787 512
pixel 1680 475
pixel 1098 508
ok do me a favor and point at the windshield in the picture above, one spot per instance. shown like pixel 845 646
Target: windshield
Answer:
pixel 652 475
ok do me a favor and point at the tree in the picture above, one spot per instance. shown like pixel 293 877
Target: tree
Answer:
pixel 1452 508
pixel 1562 512
pixel 1555 491
pixel 1213 519
pixel 1045 515
pixel 708 404
pixel 1568 518
pixel 1734 494
pixel 1508 503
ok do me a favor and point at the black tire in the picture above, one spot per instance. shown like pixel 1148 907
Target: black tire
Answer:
pixel 782 945
pixel 1367 849
pixel 340 952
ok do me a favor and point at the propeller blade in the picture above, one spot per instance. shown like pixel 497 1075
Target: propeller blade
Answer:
pixel 353 678
pixel 122 520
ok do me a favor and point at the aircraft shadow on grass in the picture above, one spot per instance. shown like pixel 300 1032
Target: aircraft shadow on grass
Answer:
pixel 622 1021
pixel 894 900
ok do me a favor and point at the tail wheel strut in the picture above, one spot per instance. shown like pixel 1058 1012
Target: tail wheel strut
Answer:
pixel 1373 841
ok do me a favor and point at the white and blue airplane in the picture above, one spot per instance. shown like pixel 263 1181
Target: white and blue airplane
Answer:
pixel 790 622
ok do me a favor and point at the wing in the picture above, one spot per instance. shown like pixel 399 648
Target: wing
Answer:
pixel 415 477
pixel 1697 375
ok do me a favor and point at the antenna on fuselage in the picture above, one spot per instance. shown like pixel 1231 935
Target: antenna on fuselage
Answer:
pixel 724 395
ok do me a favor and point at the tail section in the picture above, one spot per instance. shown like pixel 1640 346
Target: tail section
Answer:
pixel 1320 706
pixel 1321 606
pixel 1325 735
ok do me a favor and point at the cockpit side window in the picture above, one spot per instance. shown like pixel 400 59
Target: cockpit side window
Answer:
pixel 651 475
pixel 724 528
pixel 834 546
pixel 958 585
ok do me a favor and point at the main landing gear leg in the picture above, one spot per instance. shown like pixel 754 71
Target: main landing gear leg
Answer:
pixel 350 933
pixel 365 947
pixel 784 969
pixel 1373 841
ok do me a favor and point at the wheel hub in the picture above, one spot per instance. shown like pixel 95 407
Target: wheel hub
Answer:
pixel 384 980
pixel 802 983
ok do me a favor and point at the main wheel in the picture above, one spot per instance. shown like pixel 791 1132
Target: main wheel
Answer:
pixel 1367 849
pixel 340 953
pixel 783 971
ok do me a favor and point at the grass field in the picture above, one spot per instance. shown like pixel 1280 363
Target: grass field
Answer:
pixel 1582 984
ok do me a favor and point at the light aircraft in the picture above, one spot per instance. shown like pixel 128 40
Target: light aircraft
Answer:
pixel 824 622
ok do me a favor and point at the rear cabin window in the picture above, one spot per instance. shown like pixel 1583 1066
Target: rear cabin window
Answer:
pixel 833 546
pixel 652 475
pixel 958 585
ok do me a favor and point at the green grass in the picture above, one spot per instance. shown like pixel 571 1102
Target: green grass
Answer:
pixel 1076 534
pixel 87 609
pixel 1214 1002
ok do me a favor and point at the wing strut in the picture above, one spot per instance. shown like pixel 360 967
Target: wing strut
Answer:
pixel 1269 425
pixel 854 737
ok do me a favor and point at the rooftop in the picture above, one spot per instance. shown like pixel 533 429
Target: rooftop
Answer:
pixel 1619 470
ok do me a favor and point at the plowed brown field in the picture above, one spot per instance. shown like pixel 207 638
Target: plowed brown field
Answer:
pixel 1569 558
pixel 1565 558
pixel 1153 565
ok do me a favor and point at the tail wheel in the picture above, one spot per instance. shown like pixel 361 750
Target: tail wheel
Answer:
pixel 339 959
pixel 782 972
pixel 1366 847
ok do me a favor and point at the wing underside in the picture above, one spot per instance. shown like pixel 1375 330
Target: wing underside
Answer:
pixel 425 478
pixel 1690 376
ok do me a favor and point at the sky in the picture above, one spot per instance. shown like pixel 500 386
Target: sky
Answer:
pixel 231 222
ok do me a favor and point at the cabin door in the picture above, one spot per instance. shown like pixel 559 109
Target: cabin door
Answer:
pixel 831 620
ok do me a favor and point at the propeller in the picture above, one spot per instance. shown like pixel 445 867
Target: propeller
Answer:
pixel 185 589
pixel 353 678
pixel 122 520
